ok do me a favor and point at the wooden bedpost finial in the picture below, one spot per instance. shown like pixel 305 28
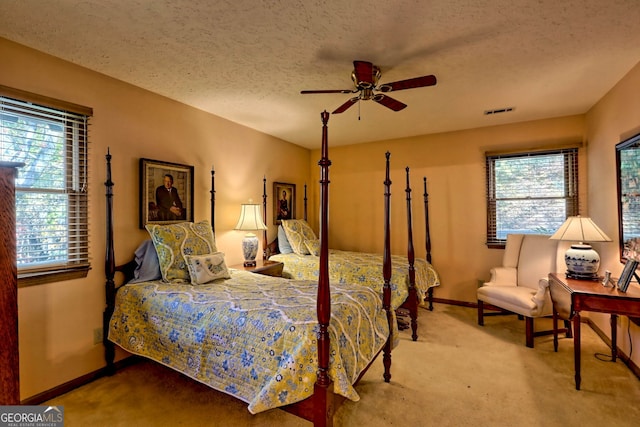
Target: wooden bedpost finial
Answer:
pixel 265 256
pixel 325 117
pixel 408 190
pixel 387 180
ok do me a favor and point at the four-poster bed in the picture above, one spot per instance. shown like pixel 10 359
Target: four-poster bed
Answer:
pixel 202 330
pixel 412 281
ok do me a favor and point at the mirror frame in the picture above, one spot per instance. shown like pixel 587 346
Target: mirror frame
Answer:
pixel 630 143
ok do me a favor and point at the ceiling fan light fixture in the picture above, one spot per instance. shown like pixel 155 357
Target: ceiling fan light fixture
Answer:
pixel 366 94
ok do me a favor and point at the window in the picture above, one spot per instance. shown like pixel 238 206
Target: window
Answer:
pixel 51 186
pixel 628 174
pixel 531 193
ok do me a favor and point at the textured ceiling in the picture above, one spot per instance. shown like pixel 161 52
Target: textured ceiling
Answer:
pixel 248 60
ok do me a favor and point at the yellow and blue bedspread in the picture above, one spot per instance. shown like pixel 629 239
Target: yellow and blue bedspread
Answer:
pixel 251 336
pixel 363 269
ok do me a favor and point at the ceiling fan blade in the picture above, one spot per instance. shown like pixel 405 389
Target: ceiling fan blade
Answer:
pixel 363 71
pixel 389 102
pixel 345 106
pixel 304 92
pixel 409 83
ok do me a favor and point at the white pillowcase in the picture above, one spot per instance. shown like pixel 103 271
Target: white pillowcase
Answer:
pixel 207 268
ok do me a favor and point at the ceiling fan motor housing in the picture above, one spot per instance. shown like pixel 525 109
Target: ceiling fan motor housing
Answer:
pixel 364 84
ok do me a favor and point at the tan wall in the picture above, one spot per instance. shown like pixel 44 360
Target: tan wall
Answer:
pixel 454 166
pixel 56 321
pixel 613 119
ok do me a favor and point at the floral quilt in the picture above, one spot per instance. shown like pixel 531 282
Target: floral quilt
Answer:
pixel 251 336
pixel 365 269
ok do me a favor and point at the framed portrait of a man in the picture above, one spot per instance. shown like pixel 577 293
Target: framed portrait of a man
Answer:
pixel 166 192
pixel 284 201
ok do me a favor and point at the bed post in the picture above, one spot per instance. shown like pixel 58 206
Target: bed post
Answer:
pixel 386 272
pixel 213 201
pixel 305 201
pixel 428 238
pixel 413 293
pixel 264 216
pixel 323 390
pixel 110 271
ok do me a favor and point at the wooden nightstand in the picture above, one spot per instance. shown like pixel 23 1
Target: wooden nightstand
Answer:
pixel 268 268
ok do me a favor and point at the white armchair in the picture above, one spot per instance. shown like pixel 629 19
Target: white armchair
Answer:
pixel 521 284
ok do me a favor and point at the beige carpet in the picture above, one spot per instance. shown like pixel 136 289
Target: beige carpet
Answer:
pixel 457 374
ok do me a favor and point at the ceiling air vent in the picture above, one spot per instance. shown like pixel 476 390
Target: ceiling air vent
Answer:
pixel 498 111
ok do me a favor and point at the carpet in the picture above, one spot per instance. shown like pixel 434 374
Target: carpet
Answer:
pixel 456 374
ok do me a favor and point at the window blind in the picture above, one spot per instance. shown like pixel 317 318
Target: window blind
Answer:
pixel 530 193
pixel 51 187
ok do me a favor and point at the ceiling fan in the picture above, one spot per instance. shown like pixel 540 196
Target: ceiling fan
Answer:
pixel 365 78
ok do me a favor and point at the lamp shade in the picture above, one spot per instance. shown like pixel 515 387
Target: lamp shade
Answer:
pixel 580 229
pixel 582 261
pixel 250 218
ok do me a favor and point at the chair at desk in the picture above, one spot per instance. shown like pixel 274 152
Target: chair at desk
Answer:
pixel 521 285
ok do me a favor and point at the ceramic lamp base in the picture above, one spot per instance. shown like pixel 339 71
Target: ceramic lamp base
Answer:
pixel 250 249
pixel 582 262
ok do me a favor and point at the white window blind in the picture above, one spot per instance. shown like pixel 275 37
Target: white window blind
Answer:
pixel 51 187
pixel 530 193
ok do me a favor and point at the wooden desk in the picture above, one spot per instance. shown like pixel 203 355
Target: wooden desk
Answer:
pixel 570 297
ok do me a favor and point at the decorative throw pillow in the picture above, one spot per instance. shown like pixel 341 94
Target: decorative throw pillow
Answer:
pixel 313 246
pixel 174 241
pixel 283 243
pixel 298 231
pixel 207 268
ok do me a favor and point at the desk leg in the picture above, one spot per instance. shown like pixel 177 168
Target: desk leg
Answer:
pixel 614 337
pixel 555 331
pixel 576 347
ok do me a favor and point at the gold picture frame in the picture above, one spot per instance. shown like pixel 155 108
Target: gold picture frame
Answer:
pixel 284 201
pixel 160 205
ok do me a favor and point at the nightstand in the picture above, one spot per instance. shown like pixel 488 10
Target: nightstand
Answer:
pixel 268 268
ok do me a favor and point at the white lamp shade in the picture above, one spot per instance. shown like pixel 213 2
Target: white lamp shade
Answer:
pixel 250 218
pixel 580 229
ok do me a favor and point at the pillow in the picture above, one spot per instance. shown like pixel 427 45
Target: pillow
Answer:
pixel 174 241
pixel 283 243
pixel 148 265
pixel 206 268
pixel 313 246
pixel 298 231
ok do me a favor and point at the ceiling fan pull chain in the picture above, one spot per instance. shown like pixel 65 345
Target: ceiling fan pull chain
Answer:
pixel 358 110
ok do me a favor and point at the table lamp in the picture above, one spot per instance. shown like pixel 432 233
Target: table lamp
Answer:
pixel 250 220
pixel 582 260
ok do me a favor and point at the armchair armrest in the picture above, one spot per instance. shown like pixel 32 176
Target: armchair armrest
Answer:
pixel 503 276
pixel 540 298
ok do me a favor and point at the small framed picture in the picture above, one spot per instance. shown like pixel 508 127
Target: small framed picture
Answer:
pixel 284 201
pixel 627 274
pixel 166 192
